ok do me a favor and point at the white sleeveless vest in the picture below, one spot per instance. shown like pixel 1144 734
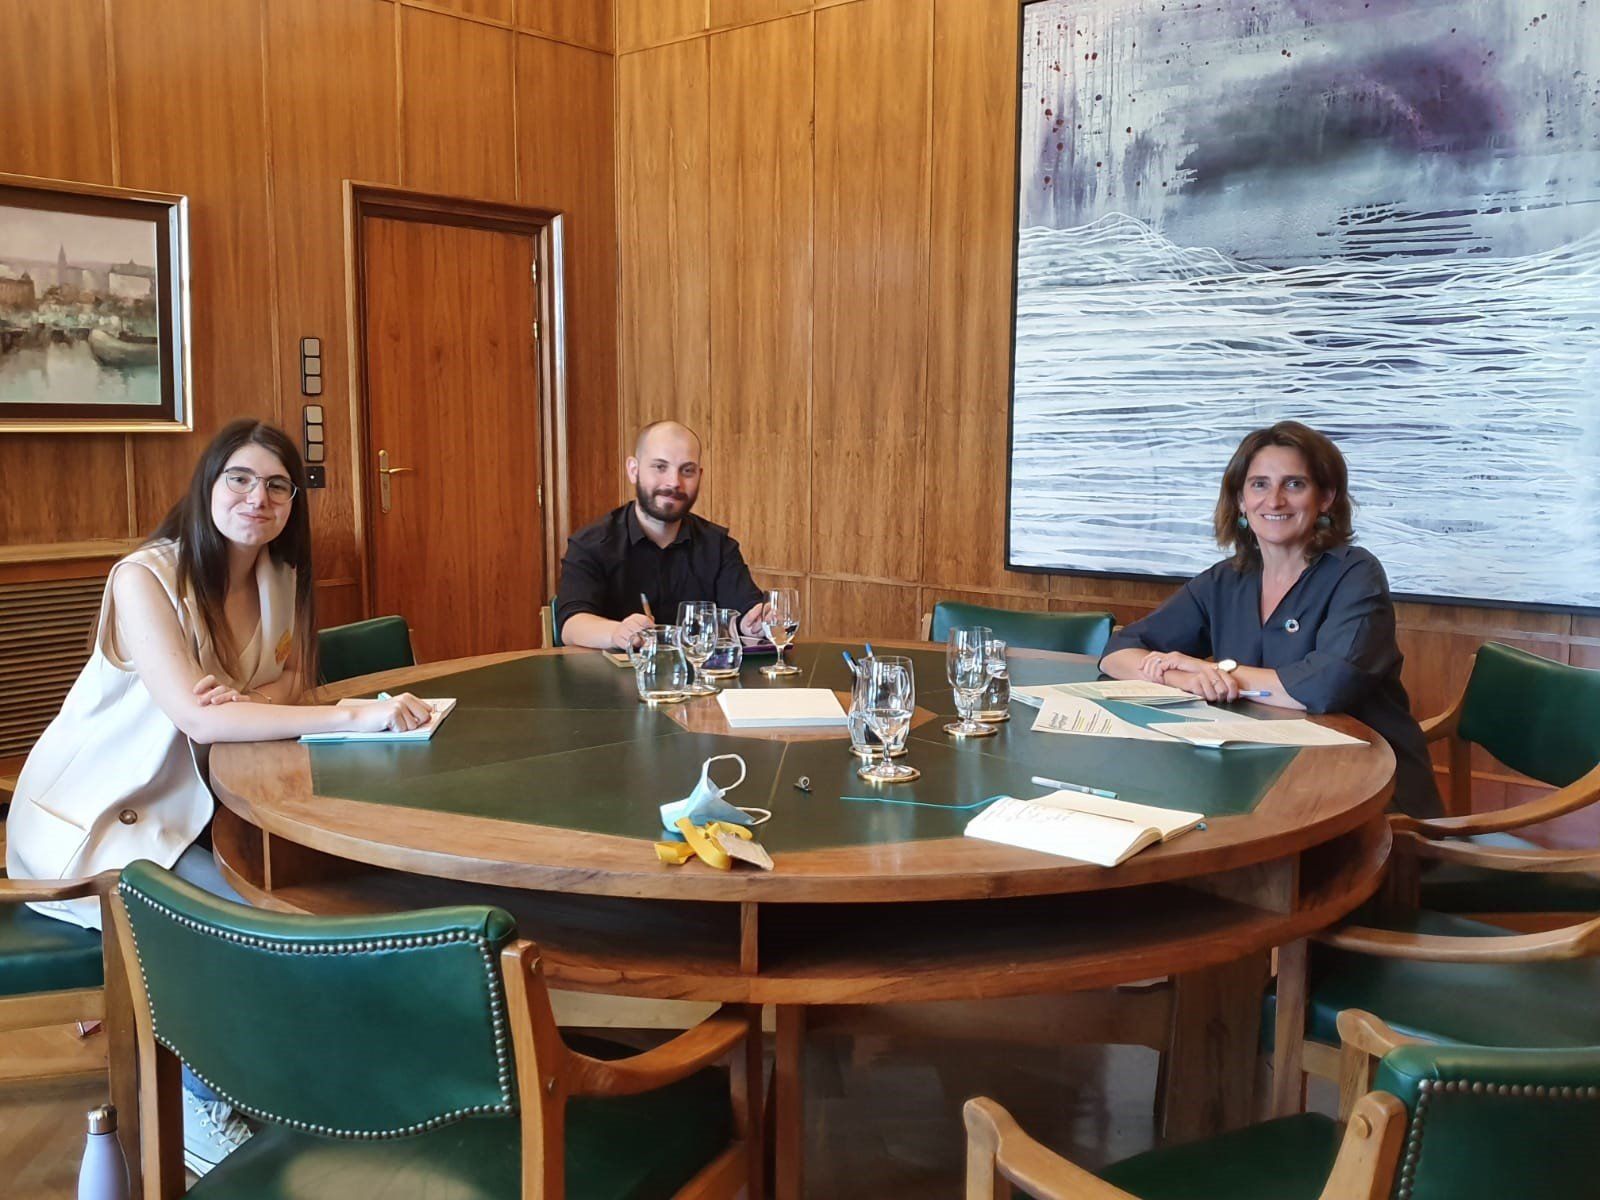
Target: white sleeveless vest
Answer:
pixel 113 779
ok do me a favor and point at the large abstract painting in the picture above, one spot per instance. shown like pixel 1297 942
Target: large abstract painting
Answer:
pixel 1380 217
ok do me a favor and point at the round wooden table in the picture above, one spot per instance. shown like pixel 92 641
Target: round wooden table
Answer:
pixel 541 793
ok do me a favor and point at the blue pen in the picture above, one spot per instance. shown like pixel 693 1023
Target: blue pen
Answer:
pixel 850 662
pixel 870 654
pixel 1063 785
pixel 1254 695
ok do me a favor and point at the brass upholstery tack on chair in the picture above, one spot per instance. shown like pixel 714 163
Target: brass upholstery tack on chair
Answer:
pixel 1540 718
pixel 409 1055
pixel 1441 1123
pixel 1068 633
pixel 363 647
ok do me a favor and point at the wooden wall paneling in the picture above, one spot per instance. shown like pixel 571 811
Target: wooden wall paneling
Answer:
pixel 565 133
pixel 338 604
pixel 189 118
pixel 490 10
pixel 586 22
pixel 760 255
pixel 848 608
pixel 1586 642
pixel 62 131
pixel 974 195
pixel 458 125
pixel 873 79
pixel 662 184
pixel 725 13
pixel 331 102
pixel 642 23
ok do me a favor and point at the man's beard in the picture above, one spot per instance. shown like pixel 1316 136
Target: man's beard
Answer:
pixel 649 505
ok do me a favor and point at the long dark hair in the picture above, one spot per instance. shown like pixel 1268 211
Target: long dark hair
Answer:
pixel 203 551
pixel 1327 468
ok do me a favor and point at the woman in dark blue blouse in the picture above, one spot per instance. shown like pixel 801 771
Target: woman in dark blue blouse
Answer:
pixel 1297 615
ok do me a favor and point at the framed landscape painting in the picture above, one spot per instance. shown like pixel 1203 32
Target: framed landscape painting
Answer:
pixel 94 309
pixel 1380 218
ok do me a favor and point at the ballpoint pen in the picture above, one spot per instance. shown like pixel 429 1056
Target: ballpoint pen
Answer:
pixel 645 607
pixel 1074 787
pixel 850 662
pixel 1253 694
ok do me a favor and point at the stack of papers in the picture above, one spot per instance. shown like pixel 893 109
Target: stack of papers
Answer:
pixel 770 708
pixel 1087 828
pixel 1244 731
pixel 1136 691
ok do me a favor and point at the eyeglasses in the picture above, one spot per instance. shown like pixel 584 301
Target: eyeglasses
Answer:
pixel 280 490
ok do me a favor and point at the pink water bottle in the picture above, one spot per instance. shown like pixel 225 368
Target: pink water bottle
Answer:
pixel 104 1172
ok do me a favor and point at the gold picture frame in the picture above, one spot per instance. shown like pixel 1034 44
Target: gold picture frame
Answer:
pixel 94 309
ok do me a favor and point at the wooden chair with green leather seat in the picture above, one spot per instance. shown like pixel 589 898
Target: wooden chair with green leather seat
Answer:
pixel 408 1055
pixel 1435 977
pixel 1540 718
pixel 363 647
pixel 548 626
pixel 1066 633
pixel 53 973
pixel 1443 1123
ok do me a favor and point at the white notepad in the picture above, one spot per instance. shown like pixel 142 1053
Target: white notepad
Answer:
pixel 759 708
pixel 1214 734
pixel 441 710
pixel 1088 836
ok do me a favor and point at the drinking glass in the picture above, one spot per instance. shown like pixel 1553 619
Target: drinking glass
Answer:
pixel 967 666
pixel 660 670
pixel 890 699
pixel 697 636
pixel 864 744
pixel 994 706
pixel 780 621
pixel 728 657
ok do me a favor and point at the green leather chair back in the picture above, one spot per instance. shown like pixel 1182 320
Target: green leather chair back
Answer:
pixel 1068 633
pixel 354 1026
pixel 1490 1124
pixel 1536 716
pixel 381 644
pixel 555 629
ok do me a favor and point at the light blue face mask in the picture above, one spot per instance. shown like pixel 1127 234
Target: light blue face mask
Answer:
pixel 705 803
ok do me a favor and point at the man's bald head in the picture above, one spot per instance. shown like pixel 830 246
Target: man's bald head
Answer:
pixel 665 470
pixel 666 429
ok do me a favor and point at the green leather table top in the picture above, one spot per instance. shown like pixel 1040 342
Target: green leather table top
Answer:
pixel 562 741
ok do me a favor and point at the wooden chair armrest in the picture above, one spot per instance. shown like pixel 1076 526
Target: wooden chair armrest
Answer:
pixel 1578 794
pixel 1572 941
pixel 1442 725
pixel 31 891
pixel 669 1062
pixel 1362 1031
pixel 1370 1150
pixel 1499 858
pixel 996 1143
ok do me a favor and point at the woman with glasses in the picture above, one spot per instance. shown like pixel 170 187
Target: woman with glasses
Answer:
pixel 206 634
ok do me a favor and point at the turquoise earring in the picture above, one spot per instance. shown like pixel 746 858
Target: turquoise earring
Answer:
pixel 1324 522
pixel 1243 522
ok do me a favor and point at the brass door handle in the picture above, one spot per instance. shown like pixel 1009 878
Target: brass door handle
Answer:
pixel 384 471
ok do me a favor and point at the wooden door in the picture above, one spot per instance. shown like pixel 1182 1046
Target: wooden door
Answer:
pixel 453 405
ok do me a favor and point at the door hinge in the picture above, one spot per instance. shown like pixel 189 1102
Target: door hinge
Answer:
pixel 536 331
pixel 539 492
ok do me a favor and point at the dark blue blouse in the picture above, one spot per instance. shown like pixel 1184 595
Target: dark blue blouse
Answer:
pixel 1331 640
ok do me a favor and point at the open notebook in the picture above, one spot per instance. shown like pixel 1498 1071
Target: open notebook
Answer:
pixel 441 710
pixel 1088 828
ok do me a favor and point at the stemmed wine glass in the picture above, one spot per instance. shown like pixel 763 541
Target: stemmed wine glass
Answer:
pixel 968 665
pixel 889 697
pixel 780 621
pixel 697 634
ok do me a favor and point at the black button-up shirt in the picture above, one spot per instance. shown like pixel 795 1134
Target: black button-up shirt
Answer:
pixel 608 564
pixel 1331 640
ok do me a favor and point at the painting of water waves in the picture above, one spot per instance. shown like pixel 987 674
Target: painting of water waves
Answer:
pixel 1462 390
pixel 1378 227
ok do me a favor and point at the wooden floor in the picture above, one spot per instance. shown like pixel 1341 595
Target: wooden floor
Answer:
pixel 884 1114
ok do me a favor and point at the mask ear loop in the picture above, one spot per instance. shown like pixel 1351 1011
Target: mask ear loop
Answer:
pixel 727 787
pixel 766 814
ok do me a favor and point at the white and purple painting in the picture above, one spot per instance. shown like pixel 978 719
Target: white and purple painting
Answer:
pixel 1378 217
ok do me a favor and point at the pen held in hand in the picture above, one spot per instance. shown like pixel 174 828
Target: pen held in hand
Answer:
pixel 1254 694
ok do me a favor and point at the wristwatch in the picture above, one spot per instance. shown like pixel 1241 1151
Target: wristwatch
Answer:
pixel 1227 666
